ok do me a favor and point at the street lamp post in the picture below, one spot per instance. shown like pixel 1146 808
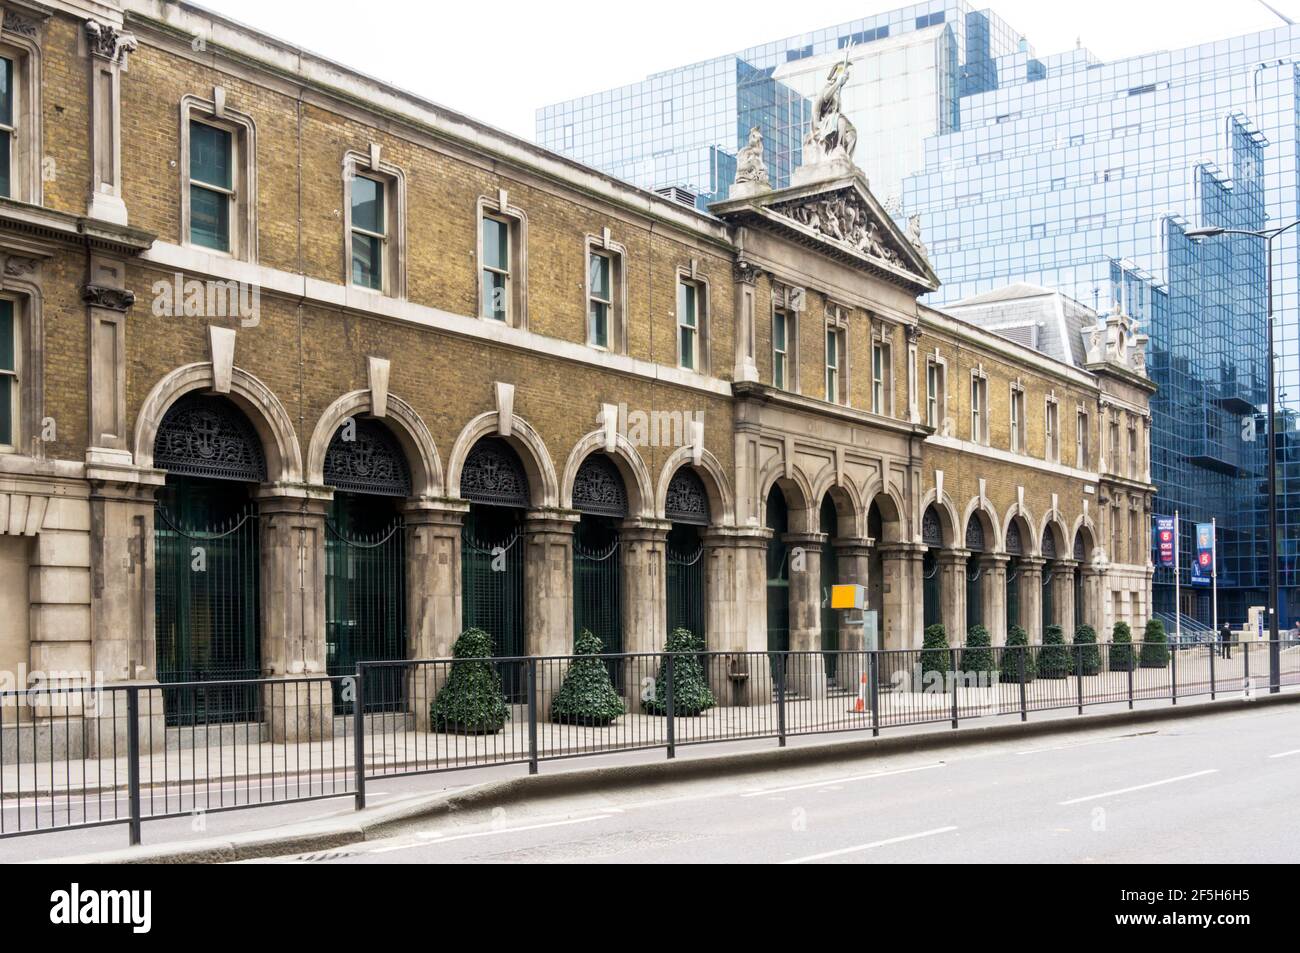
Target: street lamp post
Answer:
pixel 1274 647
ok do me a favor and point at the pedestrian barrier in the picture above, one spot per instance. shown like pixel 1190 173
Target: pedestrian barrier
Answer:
pixel 79 756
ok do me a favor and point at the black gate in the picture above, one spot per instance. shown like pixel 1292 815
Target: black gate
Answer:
pixel 365 606
pixel 206 576
pixel 598 587
pixel 778 573
pixel 685 583
pixel 830 572
pixel 492 586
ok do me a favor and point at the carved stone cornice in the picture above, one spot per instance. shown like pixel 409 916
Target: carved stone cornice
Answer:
pixel 107 42
pixel 114 299
pixel 25 21
pixel 744 270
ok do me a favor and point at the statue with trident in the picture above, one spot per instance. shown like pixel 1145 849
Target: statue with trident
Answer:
pixel 831 130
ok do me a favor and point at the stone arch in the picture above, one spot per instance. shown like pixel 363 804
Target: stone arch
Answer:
pixel 1028 541
pixel 635 474
pixel 404 423
pixel 798 496
pixel 851 514
pixel 722 505
pixel 262 408
pixel 952 528
pixel 980 508
pixel 543 488
pixel 1053 523
pixel 892 509
pixel 1084 527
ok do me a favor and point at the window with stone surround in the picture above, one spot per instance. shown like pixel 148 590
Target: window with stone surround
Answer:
pixel 882 376
pixel 783 334
pixel 20 129
pixel 979 407
pixel 11 349
pixel 1081 440
pixel 219 172
pixel 934 394
pixel 375 208
pixel 503 262
pixel 1051 431
pixel 1017 407
pixel 692 323
pixel 606 294
pixel 837 355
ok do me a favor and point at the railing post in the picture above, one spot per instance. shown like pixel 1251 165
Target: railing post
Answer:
pixel 1024 710
pixel 1173 675
pixel 359 739
pixel 1078 673
pixel 956 682
pixel 782 662
pixel 873 676
pixel 1213 650
pixel 668 686
pixel 133 763
pixel 1245 653
pixel 532 715
pixel 1129 663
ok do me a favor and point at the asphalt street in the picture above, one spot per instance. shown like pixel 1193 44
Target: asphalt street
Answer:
pixel 1218 788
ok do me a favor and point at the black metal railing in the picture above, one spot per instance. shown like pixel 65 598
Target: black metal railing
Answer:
pixel 80 756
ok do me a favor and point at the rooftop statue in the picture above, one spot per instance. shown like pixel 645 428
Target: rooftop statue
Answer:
pixel 831 132
pixel 750 166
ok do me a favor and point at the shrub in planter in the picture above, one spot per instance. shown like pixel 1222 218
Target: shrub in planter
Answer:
pixel 1122 658
pixel 1086 660
pixel 691 693
pixel 1155 647
pixel 935 656
pixel 587 696
pixel 1054 658
pixel 1013 656
pixel 978 656
pixel 471 702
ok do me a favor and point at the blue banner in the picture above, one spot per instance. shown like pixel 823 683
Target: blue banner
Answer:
pixel 1203 559
pixel 1165 541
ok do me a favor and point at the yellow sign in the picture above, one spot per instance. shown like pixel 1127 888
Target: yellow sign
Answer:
pixel 847 597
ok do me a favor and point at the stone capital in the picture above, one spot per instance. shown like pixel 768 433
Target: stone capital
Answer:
pixel 551 522
pixel 436 513
pixel 850 547
pixel 640 530
pixel 807 540
pixel 718 537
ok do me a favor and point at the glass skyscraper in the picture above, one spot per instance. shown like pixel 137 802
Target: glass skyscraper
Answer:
pixel 1059 171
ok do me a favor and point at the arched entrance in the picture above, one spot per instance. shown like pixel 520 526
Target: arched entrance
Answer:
pixel 828 525
pixel 687 508
pixel 1082 611
pixel 365 560
pixel 207 561
pixel 492 552
pixel 601 497
pixel 876 572
pixel 778 572
pixel 932 585
pixel 1051 569
pixel 1015 548
pixel 977 546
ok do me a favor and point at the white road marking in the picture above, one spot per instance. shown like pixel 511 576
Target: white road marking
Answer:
pixel 1285 754
pixel 1080 744
pixel 861 847
pixel 831 781
pixel 501 830
pixel 1139 787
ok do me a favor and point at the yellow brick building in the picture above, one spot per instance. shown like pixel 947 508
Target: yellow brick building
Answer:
pixel 305 369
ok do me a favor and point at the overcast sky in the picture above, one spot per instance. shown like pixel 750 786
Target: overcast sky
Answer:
pixel 498 61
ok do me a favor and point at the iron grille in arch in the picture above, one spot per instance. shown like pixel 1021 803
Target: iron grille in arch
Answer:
pixel 1049 544
pixel 931 531
pixel 598 488
pixel 207 436
pixel 687 502
pixel 975 535
pixel 1014 546
pixel 365 457
pixel 494 475
pixel 1078 546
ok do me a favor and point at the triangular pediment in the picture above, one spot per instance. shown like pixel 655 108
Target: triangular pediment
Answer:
pixel 843 219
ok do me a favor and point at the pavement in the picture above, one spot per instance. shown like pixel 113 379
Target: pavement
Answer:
pixel 1214 788
pixel 399 805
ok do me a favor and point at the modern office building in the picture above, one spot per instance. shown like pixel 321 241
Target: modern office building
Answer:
pixel 1063 172
pixel 680 129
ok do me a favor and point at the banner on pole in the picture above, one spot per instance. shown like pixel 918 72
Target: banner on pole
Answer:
pixel 1164 541
pixel 1203 564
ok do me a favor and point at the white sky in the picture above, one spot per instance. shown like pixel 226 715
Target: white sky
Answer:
pixel 498 61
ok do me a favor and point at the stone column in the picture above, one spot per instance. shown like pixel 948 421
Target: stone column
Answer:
pixel 807 672
pixel 952 593
pixel 1031 597
pixel 548 594
pixel 293 610
pixel 736 608
pixel 993 595
pixel 1095 605
pixel 854 559
pixel 902 595
pixel 1063 595
pixel 643 550
pixel 433 608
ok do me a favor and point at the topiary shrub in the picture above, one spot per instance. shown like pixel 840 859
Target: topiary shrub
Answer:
pixel 978 656
pixel 471 702
pixel 691 693
pixel 1155 647
pixel 935 656
pixel 1014 656
pixel 1087 660
pixel 1054 658
pixel 1122 658
pixel 587 696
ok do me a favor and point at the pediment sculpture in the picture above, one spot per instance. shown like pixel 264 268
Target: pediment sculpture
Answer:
pixel 844 217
